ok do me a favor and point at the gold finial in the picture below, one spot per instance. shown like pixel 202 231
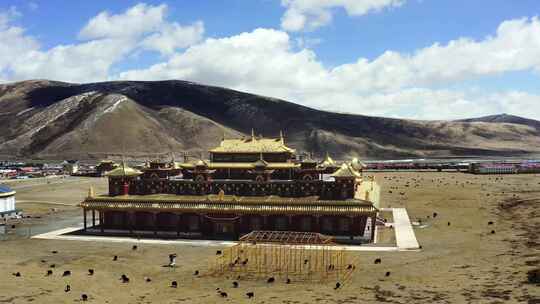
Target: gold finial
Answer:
pixel 91 192
pixel 252 134
pixel 221 194
pixel 281 136
pixel 123 164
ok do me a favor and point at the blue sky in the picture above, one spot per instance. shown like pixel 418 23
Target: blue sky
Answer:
pixel 422 59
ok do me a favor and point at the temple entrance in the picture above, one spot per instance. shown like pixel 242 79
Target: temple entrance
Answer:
pixel 224 229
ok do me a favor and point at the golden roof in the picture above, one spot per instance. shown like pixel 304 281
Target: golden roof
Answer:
pixel 242 165
pixel 328 161
pixel 106 161
pixel 346 171
pixel 253 145
pixel 231 204
pixel 356 164
pixel 260 163
pixel 201 163
pixel 123 170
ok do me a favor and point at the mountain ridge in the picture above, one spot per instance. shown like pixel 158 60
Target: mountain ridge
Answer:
pixel 50 119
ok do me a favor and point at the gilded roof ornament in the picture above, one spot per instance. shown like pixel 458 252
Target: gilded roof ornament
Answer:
pixel 346 171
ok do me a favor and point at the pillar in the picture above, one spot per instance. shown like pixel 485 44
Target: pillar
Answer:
pixel 93 218
pixel 125 188
pixel 352 230
pixel 265 222
pixel 372 228
pixel 178 224
pixel 317 224
pixel 84 218
pixel 202 225
pixel 101 221
pixel 154 221
pixel 131 220
pixel 290 223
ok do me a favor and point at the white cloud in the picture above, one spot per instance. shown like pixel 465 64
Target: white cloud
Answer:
pixel 145 23
pixel 7 16
pixel 136 21
pixel 33 6
pixel 312 14
pixel 108 39
pixel 174 36
pixel 266 62
pixel 63 62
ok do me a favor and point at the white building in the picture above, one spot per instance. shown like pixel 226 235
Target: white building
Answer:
pixel 7 202
pixel 70 166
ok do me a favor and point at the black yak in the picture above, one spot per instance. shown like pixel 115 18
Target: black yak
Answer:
pixel 124 278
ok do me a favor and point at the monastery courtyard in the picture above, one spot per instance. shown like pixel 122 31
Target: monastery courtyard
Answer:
pixel 463 258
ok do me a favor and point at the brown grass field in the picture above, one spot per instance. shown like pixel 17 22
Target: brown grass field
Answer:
pixel 459 263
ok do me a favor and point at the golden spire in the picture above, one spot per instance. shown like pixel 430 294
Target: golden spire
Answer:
pixel 123 164
pixel 281 137
pixel 221 194
pixel 252 134
pixel 91 192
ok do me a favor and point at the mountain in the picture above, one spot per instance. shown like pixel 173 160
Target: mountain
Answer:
pixel 49 119
pixel 506 118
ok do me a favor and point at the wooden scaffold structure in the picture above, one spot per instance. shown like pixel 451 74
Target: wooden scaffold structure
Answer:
pixel 284 255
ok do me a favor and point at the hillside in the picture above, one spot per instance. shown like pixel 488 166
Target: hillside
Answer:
pixel 48 119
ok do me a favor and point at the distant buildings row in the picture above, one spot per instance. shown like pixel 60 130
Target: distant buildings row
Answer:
pixel 475 166
pixel 505 168
pixel 23 170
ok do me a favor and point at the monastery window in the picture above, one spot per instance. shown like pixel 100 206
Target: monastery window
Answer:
pixel 305 224
pixel 327 224
pixel 255 223
pixel 281 223
pixel 193 223
pixel 344 224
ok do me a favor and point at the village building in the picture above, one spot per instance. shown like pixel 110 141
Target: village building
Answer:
pixel 7 202
pixel 70 167
pixel 248 184
pixel 105 166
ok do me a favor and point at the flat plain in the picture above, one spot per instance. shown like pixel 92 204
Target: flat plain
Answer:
pixel 463 259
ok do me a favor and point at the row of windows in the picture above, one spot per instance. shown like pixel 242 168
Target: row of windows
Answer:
pixel 192 222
